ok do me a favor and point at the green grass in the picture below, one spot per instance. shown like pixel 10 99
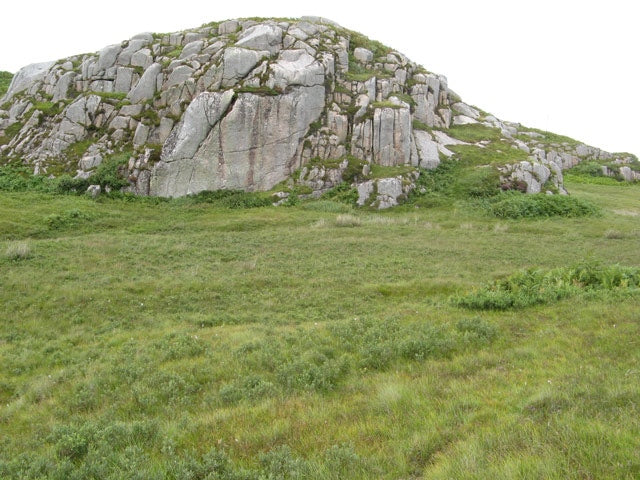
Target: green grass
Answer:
pixel 548 137
pixel 475 132
pixel 5 81
pixel 145 338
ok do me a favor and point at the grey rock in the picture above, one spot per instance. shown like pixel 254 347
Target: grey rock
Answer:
pixel 466 110
pixel 296 67
pixel 83 110
pixel 61 90
pixel 141 135
pixel 253 147
pixel 94 190
pixel 365 190
pixel 127 53
pixel 427 149
pixel 146 37
pixel 27 77
pixel 262 37
pixel 108 57
pixel 463 120
pixel 119 122
pixel 142 58
pixel 131 110
pixel 392 136
pixel 238 62
pixel 230 26
pixel 146 86
pixel 202 114
pixel 179 75
pixel 363 55
pixel 192 48
pixel 89 162
pixel 124 77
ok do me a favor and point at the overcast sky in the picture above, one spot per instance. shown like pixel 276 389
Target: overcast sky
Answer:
pixel 569 67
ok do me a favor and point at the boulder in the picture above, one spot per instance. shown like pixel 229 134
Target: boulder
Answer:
pixel 363 55
pixel 145 89
pixel 27 77
pixel 238 62
pixel 252 148
pixel 262 37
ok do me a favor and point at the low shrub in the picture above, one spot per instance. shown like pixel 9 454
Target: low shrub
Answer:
pixel 232 198
pixel 516 205
pixel 532 287
pixel 343 193
pixel 68 218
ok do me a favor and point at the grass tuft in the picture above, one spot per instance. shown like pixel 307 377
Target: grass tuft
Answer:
pixel 17 251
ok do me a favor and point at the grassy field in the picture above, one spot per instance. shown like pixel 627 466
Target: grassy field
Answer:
pixel 178 340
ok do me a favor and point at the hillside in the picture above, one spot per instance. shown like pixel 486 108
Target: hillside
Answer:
pixel 277 105
pixel 174 305
pixel 5 80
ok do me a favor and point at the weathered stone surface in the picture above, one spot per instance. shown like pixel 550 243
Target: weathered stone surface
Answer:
pixel 253 147
pixel 108 57
pixel 94 190
pixel 466 110
pixel 27 77
pixel 392 136
pixel 238 62
pixel 363 55
pixel 262 37
pixel 146 86
pixel 296 67
pixel 192 48
pixel 83 110
pixel 230 26
pixel 61 90
pixel 123 81
pixel 142 58
pixel 427 150
pixel 200 117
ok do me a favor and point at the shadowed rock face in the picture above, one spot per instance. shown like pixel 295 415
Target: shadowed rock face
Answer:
pixel 242 105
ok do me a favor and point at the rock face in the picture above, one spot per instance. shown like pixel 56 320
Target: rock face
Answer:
pixel 244 105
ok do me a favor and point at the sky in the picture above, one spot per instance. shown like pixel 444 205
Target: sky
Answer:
pixel 563 66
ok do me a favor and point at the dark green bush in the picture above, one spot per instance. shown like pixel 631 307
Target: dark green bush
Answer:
pixel 342 193
pixel 519 205
pixel 232 198
pixel 532 287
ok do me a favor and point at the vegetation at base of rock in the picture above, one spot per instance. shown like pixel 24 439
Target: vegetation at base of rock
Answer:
pixel 232 198
pixel 516 204
pixel 5 81
pixel 158 338
pixel 454 179
pixel 532 287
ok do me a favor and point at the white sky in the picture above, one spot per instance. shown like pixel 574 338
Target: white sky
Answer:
pixel 571 67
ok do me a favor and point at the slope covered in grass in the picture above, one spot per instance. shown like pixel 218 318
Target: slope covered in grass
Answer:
pixel 5 81
pixel 142 338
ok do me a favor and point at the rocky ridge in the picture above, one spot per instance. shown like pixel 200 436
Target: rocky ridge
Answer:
pixel 256 104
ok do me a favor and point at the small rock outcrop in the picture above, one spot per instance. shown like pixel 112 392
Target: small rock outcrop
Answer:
pixel 246 104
